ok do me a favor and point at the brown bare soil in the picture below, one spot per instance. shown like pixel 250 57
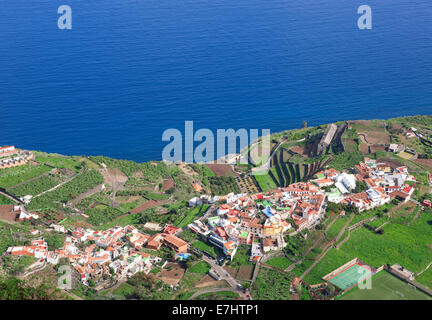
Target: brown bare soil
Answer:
pixel 114 177
pixel 231 271
pixel 206 281
pixel 301 150
pixel 364 148
pixel 426 163
pixel 5 213
pixel 245 273
pixel 391 162
pixel 173 276
pixel 375 148
pixel 167 184
pixel 220 169
pixel 374 134
pixel 147 205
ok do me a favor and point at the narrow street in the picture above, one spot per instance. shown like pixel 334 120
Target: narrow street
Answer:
pixel 224 275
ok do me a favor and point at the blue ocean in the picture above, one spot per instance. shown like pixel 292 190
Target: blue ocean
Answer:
pixel 130 69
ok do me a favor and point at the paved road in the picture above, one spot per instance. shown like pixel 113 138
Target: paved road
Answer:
pixel 224 275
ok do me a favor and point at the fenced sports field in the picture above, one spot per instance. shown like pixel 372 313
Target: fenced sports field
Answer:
pixel 351 276
pixel 386 286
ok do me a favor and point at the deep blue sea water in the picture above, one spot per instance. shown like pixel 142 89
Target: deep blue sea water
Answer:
pixel 129 69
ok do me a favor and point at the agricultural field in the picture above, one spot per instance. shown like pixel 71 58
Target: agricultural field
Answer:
pixel 223 185
pixel 265 182
pixel 241 257
pixel 344 160
pixel 279 262
pixel 13 176
pixel 220 170
pixel 59 162
pixel 200 267
pixel 12 235
pixel 336 227
pixel 102 214
pixel 147 171
pixel 246 184
pixel 190 216
pixel 5 200
pixel 202 246
pixel 81 183
pixel 271 285
pixel 373 132
pixel 33 187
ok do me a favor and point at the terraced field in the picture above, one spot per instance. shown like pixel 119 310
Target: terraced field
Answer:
pixel 287 169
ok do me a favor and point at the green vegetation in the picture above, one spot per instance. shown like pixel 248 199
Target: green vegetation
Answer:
pixel 204 173
pixel 265 182
pixel 81 183
pixel 144 287
pixel 150 172
pixel 344 160
pixel 185 295
pixel 337 226
pixel 59 162
pixel 102 215
pixel 8 235
pixel 279 262
pixel 271 285
pixel 12 176
pixel 241 258
pixel 16 265
pixel 5 200
pixel 188 236
pixel 201 245
pixel 223 185
pixel 14 289
pixel 425 278
pixel 123 290
pixel 33 187
pixel 200 267
pixel 54 241
pixel 191 215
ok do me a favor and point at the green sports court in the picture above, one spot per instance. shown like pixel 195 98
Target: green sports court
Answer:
pixel 386 286
pixel 351 276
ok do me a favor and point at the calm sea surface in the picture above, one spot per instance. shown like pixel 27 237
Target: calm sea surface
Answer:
pixel 129 69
